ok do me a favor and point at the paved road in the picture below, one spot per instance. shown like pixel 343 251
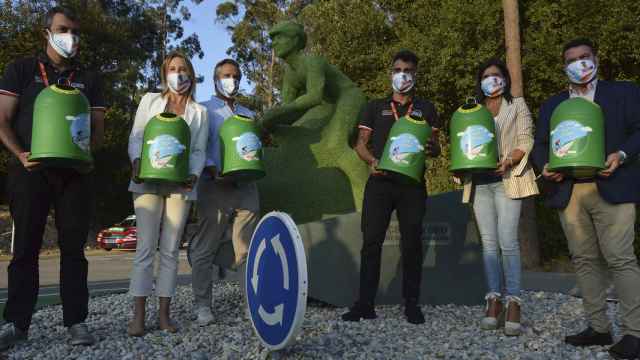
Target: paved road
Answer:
pixel 113 265
pixel 109 271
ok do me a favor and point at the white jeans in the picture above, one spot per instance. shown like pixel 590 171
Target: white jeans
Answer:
pixel 153 213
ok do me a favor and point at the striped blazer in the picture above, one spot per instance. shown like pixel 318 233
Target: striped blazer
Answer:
pixel 514 128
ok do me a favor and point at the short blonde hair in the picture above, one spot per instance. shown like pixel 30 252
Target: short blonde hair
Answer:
pixel 191 93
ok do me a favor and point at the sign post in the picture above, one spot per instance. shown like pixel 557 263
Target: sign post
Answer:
pixel 276 280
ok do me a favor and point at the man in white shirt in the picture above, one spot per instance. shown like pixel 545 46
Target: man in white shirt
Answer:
pixel 222 203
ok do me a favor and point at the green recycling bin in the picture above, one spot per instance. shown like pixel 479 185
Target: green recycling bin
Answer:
pixel 576 141
pixel 165 150
pixel 473 140
pixel 61 133
pixel 404 151
pixel 241 149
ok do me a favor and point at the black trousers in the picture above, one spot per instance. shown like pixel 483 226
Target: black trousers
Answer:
pixel 30 197
pixel 381 196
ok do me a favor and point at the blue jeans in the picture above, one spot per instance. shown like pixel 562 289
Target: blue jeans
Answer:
pixel 497 217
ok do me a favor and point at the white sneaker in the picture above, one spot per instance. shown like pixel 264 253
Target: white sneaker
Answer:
pixel 204 316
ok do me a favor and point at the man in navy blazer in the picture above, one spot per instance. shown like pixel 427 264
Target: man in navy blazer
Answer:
pixel 598 214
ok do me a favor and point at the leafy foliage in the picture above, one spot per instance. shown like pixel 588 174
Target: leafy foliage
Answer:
pixel 451 38
pixel 124 40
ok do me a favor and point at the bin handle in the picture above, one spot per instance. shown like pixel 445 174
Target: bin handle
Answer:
pixel 471 100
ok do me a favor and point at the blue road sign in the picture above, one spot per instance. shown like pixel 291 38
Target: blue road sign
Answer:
pixel 276 280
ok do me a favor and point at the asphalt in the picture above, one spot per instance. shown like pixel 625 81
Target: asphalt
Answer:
pixel 109 273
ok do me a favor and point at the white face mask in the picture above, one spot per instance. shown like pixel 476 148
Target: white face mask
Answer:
pixel 402 82
pixel 178 83
pixel 492 86
pixel 65 44
pixel 581 71
pixel 227 87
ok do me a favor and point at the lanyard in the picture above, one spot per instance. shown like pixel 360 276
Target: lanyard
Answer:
pixel 45 78
pixel 395 111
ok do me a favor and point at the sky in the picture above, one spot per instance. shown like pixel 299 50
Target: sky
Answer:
pixel 214 40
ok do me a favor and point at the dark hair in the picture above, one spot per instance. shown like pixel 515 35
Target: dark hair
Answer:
pixel 406 56
pixel 67 12
pixel 580 42
pixel 225 62
pixel 505 73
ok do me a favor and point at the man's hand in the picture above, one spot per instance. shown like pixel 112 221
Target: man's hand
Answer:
pixel 612 163
pixel 373 168
pixel 210 170
pixel 135 171
pixel 215 176
pixel 552 176
pixel 191 182
pixel 24 159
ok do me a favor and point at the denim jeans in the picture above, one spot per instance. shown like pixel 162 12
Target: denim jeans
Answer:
pixel 497 217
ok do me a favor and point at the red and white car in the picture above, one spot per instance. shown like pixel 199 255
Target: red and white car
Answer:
pixel 123 235
pixel 119 236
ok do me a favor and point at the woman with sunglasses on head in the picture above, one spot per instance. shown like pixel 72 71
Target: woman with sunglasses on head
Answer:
pixel 497 195
pixel 162 209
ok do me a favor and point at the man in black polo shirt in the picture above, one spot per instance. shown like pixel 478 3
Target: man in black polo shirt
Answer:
pixel 385 192
pixel 32 188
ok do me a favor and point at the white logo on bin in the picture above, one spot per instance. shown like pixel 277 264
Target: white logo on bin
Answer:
pixel 80 128
pixel 565 135
pixel 163 148
pixel 473 141
pixel 403 147
pixel 248 146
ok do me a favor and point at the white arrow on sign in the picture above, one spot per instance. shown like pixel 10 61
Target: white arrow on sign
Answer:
pixel 277 246
pixel 256 262
pixel 277 315
pixel 272 318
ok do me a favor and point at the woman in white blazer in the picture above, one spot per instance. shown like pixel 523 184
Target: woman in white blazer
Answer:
pixel 162 210
pixel 497 196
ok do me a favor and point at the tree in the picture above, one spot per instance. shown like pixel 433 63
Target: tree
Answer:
pixel 121 39
pixel 248 22
pixel 451 38
pixel 528 235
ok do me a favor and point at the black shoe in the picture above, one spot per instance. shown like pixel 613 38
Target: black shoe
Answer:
pixel 589 337
pixel 11 336
pixel 627 348
pixel 413 313
pixel 359 311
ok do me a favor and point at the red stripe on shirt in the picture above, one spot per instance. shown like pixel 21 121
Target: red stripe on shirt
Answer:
pixel 8 93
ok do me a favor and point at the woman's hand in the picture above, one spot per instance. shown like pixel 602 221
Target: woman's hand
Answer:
pixel 503 166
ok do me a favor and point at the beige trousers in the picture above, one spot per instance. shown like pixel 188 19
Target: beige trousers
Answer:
pixel 221 208
pixel 160 221
pixel 600 237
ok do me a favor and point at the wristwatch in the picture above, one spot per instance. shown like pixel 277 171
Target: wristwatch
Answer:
pixel 622 155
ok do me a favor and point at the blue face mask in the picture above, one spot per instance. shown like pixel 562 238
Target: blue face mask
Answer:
pixel 492 86
pixel 581 71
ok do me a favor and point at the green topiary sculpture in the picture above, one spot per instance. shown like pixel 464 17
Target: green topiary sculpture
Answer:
pixel 313 173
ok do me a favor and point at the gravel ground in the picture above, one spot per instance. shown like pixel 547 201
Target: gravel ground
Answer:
pixel 451 332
